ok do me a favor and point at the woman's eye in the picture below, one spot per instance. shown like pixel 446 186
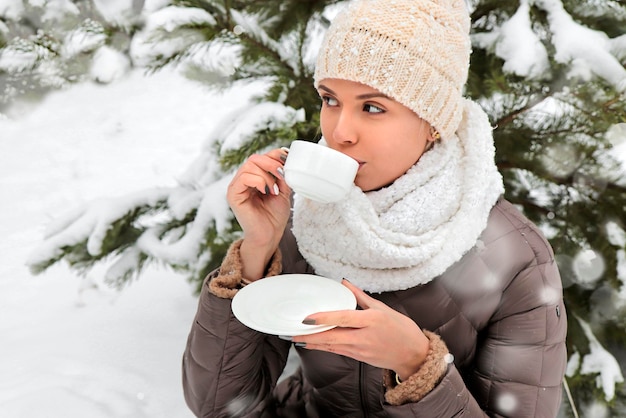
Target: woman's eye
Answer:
pixel 330 101
pixel 372 109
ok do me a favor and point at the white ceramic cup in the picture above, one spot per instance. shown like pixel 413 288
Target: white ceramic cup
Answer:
pixel 318 172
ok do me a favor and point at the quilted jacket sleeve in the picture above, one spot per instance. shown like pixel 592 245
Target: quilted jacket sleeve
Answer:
pixel 229 369
pixel 520 355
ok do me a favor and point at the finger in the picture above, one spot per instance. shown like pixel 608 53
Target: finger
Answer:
pixel 333 337
pixel 341 341
pixel 241 184
pixel 330 348
pixel 343 319
pixel 269 163
pixel 364 300
pixel 275 161
pixel 260 172
pixel 279 154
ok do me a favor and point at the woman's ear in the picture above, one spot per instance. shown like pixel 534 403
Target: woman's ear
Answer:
pixel 434 134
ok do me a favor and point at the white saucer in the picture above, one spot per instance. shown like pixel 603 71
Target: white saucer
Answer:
pixel 277 305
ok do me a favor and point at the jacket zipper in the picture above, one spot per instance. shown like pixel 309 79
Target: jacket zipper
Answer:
pixel 363 389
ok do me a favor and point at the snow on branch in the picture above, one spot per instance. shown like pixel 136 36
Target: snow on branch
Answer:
pixel 172 17
pixel 598 361
pixel 617 237
pixel 180 226
pixel 23 54
pixel 90 223
pixel 162 37
pixel 587 51
pixel 617 46
pixel 89 36
pixel 517 44
pixel 172 226
pixel 250 25
pixel 213 211
pixel 268 115
pixel 220 60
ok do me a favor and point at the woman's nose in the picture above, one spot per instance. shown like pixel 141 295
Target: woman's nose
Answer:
pixel 345 131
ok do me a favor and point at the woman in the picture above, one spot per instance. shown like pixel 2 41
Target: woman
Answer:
pixel 461 310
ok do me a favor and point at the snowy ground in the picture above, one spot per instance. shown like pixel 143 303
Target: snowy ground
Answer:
pixel 75 348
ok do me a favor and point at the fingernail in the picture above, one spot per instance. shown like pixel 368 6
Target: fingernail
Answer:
pixel 346 280
pixel 267 189
pixel 276 189
pixel 285 149
pixel 285 337
pixel 300 345
pixel 308 321
pixel 281 172
pixel 283 156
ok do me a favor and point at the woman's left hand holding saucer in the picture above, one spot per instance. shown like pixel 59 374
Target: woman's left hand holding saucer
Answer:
pixel 376 334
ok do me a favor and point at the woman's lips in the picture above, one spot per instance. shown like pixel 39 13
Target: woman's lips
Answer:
pixel 361 163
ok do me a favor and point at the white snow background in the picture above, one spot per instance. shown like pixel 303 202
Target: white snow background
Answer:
pixel 72 347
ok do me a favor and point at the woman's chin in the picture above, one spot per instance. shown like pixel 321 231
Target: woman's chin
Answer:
pixel 371 187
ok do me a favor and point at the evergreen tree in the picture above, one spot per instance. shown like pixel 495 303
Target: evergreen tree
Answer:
pixel 552 79
pixel 218 43
pixel 49 46
pixel 551 76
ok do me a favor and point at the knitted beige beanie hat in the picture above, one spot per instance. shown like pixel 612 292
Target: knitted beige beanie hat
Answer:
pixel 414 51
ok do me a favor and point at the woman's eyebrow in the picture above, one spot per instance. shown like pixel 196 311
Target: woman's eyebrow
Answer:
pixel 360 96
pixel 373 95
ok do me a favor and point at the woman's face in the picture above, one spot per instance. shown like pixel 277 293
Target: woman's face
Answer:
pixel 384 136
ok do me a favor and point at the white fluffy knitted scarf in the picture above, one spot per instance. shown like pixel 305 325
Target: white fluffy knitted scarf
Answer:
pixel 410 232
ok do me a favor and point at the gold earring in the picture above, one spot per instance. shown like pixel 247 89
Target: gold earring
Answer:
pixel 434 133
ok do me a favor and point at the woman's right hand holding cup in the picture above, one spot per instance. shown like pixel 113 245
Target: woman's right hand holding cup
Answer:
pixel 260 200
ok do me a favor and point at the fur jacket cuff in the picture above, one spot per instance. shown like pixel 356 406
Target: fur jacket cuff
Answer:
pixel 424 380
pixel 230 277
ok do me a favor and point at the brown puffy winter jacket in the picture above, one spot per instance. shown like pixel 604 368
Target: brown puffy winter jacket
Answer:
pixel 499 309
